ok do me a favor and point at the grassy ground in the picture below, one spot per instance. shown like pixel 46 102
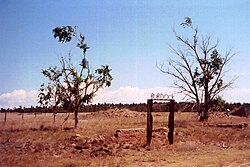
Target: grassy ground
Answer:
pixel 38 141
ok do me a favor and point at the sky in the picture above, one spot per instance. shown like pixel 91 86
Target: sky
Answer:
pixel 131 36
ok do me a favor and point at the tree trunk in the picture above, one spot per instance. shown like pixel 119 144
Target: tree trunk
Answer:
pixel 76 117
pixel 206 101
pixel 198 109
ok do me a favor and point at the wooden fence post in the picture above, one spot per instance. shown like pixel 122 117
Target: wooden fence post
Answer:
pixel 5 116
pixel 171 122
pixel 149 121
pixel 54 116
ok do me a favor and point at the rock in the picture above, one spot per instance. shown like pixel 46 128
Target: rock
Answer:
pixel 78 135
pixel 101 152
pixel 61 146
pixel 127 146
pixel 26 144
pixel 94 141
pixel 160 129
pixel 224 145
pixel 86 146
pixel 78 147
pixel 127 134
pixel 18 146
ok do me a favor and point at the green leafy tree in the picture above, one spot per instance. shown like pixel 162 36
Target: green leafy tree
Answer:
pixel 70 86
pixel 198 69
pixel 218 103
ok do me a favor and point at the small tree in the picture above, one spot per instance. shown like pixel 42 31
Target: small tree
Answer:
pixel 71 87
pixel 218 103
pixel 198 69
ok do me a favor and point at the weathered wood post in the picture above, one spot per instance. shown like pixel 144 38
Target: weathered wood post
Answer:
pixel 149 121
pixel 54 111
pixel 5 116
pixel 54 116
pixel 171 122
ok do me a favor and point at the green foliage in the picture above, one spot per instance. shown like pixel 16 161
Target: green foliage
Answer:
pixel 64 34
pixel 210 69
pixel 218 101
pixel 68 87
pixel 187 22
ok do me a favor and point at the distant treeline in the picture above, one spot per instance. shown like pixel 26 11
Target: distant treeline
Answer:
pixel 141 107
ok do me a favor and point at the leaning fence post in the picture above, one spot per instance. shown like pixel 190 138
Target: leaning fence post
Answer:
pixel 171 123
pixel 149 121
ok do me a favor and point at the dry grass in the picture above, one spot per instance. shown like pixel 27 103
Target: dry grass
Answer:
pixel 37 141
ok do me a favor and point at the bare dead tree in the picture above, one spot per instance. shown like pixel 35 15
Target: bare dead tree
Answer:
pixel 198 69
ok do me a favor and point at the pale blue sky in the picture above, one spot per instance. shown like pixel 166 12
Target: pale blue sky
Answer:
pixel 129 35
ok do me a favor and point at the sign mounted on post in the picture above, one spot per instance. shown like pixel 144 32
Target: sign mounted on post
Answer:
pixel 161 96
pixel 169 100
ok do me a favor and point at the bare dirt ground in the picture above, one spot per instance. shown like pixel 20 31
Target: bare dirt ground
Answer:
pixel 117 138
